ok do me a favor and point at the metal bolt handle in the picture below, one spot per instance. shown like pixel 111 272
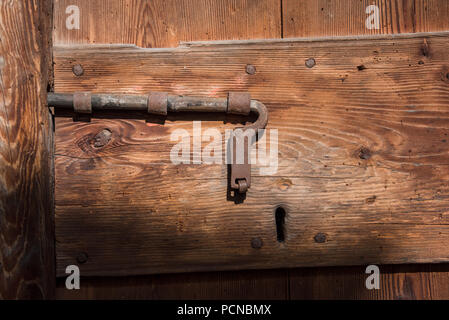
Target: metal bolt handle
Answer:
pixel 161 103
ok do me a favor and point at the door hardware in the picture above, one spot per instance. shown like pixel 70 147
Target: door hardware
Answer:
pixel 160 103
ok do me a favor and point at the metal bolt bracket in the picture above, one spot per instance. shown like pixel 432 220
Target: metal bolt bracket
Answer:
pixel 82 102
pixel 240 103
pixel 240 172
pixel 161 103
pixel 157 103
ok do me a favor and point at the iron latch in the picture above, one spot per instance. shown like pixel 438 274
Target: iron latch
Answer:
pixel 161 103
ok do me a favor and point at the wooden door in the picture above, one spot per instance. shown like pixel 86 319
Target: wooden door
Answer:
pixel 370 181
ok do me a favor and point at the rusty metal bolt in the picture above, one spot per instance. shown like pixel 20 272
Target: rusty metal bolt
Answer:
pixel 82 257
pixel 78 70
pixel 320 238
pixel 250 69
pixel 256 243
pixel 310 63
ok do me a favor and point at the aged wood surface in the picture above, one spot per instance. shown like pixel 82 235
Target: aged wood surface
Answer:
pixel 164 23
pixel 302 18
pixel 212 20
pixel 362 159
pixel 312 18
pixel 258 284
pixel 27 260
pixel 313 283
pixel 397 282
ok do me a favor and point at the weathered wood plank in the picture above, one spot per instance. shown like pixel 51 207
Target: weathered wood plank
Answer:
pixel 439 281
pixel 27 259
pixel 362 159
pixel 326 18
pixel 242 285
pixel 436 22
pixel 164 23
pixel 431 15
pixel 397 282
pixel 312 18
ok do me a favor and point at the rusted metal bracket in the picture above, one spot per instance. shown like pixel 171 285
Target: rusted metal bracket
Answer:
pixel 160 103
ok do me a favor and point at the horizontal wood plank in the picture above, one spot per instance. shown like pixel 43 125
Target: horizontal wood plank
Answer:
pixel 362 145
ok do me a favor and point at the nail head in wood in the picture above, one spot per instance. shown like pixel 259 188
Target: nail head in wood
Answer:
pixel 78 70
pixel 310 63
pixel 250 69
pixel 82 257
pixel 256 243
pixel 320 238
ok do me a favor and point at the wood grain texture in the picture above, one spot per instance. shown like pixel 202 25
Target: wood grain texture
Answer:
pixel 397 282
pixel 241 285
pixel 431 15
pixel 164 23
pixel 312 18
pixel 362 159
pixel 302 18
pixel 317 279
pixel 27 260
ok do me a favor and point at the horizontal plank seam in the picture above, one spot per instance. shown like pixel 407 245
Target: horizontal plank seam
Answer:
pixel 224 43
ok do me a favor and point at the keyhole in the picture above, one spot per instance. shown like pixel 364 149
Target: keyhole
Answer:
pixel 280 224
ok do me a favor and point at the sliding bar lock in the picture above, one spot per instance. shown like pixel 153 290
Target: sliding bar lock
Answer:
pixel 160 103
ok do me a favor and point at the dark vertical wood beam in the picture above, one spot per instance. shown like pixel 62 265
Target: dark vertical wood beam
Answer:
pixel 27 259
